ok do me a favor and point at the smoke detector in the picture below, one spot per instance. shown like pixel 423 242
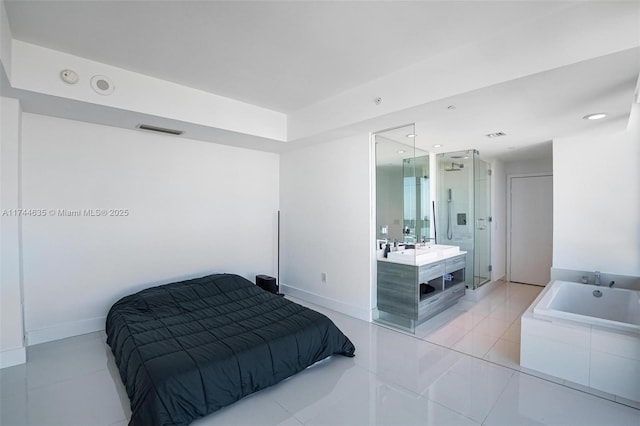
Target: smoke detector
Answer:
pixel 69 76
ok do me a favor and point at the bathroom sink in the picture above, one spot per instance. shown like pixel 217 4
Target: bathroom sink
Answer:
pixel 423 254
pixel 411 255
pixel 444 250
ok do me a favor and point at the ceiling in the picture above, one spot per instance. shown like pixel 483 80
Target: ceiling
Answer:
pixel 531 111
pixel 282 55
pixel 289 55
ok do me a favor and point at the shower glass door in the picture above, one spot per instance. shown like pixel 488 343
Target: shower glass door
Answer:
pixel 482 229
pixel 464 211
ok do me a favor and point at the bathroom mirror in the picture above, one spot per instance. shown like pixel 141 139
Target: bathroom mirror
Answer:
pixel 403 208
pixel 417 198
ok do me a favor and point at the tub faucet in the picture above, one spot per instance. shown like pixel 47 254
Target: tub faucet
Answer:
pixel 596 279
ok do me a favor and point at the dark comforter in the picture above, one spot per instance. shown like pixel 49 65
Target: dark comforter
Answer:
pixel 189 348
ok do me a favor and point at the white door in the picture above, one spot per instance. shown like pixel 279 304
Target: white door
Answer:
pixel 531 233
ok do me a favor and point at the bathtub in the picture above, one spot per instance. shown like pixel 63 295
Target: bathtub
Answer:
pixel 605 307
pixel 586 340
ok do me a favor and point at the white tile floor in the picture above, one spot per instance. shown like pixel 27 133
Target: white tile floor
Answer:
pixel 394 379
pixel 487 329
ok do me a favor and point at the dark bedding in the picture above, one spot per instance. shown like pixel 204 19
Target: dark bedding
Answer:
pixel 189 348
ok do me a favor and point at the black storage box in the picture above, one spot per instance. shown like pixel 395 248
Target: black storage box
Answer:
pixel 268 283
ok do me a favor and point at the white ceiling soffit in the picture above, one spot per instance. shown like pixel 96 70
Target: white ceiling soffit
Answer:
pixel 282 55
pixel 38 103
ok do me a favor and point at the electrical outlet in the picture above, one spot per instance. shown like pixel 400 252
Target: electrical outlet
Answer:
pixel 323 277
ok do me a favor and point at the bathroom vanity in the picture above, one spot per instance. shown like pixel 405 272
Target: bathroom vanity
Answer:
pixel 415 285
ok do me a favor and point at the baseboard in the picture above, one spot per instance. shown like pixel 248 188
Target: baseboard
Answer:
pixel 12 357
pixel 482 291
pixel 344 308
pixel 62 331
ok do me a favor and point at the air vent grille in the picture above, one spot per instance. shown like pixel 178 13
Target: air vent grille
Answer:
pixel 160 129
pixel 495 135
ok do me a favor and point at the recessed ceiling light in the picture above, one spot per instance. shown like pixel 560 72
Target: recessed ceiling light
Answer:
pixel 596 116
pixel 451 107
pixel 402 151
pixel 411 135
pixel 466 157
pixel 102 85
pixel 437 145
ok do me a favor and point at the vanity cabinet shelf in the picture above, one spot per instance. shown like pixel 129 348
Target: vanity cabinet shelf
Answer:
pixel 401 288
pixel 434 283
pixel 457 277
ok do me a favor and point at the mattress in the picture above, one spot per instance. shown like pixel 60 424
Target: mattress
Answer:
pixel 189 348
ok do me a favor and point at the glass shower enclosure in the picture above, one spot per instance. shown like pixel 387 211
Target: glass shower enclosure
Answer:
pixel 464 211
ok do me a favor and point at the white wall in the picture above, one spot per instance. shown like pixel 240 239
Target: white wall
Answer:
pixel 535 165
pixel 325 198
pixel 194 208
pixel 596 198
pixel 5 40
pixel 12 350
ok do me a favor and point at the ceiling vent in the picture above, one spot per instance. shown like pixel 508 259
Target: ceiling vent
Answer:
pixel 160 129
pixel 496 134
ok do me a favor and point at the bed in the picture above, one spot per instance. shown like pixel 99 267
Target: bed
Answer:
pixel 189 348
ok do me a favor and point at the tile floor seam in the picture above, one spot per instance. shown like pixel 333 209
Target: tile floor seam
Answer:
pixel 287 411
pixel 404 388
pixel 492 346
pixel 513 374
pixel 568 389
pixel 466 332
pixel 68 379
pixel 449 408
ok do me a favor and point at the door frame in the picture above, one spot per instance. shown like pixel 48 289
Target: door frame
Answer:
pixel 509 181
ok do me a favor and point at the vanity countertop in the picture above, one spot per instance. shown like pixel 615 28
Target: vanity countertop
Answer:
pixel 423 256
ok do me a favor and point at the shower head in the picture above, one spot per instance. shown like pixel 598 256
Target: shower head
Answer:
pixel 455 167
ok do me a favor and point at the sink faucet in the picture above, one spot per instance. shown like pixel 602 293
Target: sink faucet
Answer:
pixel 427 241
pixel 596 278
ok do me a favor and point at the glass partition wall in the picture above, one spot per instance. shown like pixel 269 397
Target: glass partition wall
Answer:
pixel 403 218
pixel 409 287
